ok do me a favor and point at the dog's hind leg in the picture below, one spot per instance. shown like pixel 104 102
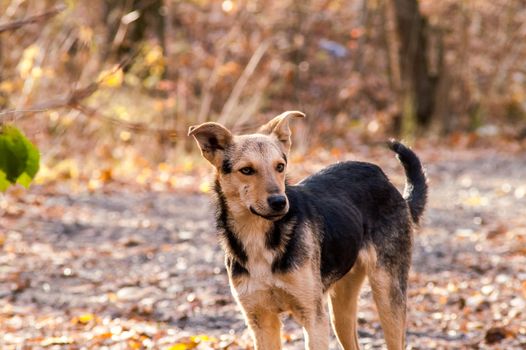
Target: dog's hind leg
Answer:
pixel 344 307
pixel 390 298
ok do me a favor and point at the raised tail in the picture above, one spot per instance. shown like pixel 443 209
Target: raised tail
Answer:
pixel 415 192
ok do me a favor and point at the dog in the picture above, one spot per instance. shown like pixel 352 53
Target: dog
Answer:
pixel 288 248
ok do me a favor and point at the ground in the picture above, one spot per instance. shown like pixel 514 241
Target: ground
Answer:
pixel 129 269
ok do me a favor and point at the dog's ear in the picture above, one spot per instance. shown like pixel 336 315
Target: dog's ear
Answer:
pixel 279 127
pixel 213 139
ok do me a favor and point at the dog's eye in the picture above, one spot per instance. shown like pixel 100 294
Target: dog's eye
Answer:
pixel 280 167
pixel 247 170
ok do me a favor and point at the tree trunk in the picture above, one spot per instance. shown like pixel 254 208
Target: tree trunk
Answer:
pixel 3 97
pixel 417 95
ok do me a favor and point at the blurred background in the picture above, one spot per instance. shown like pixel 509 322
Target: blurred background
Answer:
pixel 113 246
pixel 114 84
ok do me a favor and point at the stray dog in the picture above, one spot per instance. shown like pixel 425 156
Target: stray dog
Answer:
pixel 289 247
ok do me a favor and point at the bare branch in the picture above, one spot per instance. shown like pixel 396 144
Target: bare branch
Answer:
pixel 71 100
pixel 10 26
pixel 135 127
pixel 235 95
pixel 206 101
pixel 74 101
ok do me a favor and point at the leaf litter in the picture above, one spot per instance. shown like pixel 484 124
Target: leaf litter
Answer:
pixel 143 270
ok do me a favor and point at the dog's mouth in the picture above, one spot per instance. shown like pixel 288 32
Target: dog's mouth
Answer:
pixel 271 217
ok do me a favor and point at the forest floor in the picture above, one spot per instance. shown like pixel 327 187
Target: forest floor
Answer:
pixel 123 269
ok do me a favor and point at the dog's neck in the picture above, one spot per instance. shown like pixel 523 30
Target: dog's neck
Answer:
pixel 241 230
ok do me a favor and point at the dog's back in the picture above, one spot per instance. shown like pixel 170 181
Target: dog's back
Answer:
pixel 353 204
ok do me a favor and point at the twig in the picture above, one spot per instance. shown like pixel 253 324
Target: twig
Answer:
pixel 233 99
pixel 135 127
pixel 10 26
pixel 206 101
pixel 31 110
pixel 252 105
pixel 72 99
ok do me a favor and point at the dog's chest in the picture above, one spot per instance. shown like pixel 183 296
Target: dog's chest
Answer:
pixel 259 265
pixel 274 290
pixel 260 258
pixel 278 292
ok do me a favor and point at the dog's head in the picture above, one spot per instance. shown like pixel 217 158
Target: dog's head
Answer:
pixel 250 168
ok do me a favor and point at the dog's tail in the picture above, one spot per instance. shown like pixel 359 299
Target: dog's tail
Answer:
pixel 415 192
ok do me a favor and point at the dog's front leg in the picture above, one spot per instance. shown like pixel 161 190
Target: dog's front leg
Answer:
pixel 266 329
pixel 316 331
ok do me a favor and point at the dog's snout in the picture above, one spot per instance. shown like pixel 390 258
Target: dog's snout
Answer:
pixel 277 202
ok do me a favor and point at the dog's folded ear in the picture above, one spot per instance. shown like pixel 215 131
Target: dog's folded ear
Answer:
pixel 279 127
pixel 213 139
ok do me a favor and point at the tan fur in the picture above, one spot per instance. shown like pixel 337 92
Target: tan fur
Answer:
pixel 344 306
pixel 299 292
pixel 279 128
pixel 344 297
pixel 265 327
pixel 392 316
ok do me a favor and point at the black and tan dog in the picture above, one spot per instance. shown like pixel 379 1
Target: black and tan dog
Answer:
pixel 289 247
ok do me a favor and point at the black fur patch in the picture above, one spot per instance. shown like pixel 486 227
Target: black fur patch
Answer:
pixel 273 237
pixel 226 166
pixel 234 250
pixel 214 143
pixel 343 204
pixel 289 231
pixel 235 268
pixel 416 179
pixel 235 246
pixel 295 253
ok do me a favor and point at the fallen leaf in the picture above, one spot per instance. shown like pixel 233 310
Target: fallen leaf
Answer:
pixel 84 318
pixel 496 334
pixel 497 231
pixel 182 346
pixel 56 341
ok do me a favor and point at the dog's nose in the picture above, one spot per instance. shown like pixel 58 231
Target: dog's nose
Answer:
pixel 277 202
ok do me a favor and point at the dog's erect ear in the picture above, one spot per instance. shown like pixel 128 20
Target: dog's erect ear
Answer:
pixel 279 127
pixel 213 139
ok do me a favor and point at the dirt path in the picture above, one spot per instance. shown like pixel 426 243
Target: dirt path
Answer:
pixel 126 270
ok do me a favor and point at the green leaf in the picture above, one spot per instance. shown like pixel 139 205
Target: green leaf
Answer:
pixel 32 160
pixel 24 180
pixel 4 184
pixel 19 158
pixel 13 154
